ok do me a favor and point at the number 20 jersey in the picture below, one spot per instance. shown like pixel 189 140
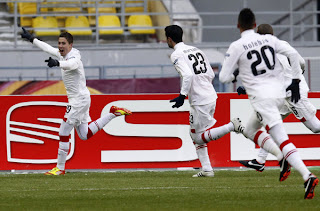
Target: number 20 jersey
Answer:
pixel 259 68
pixel 196 74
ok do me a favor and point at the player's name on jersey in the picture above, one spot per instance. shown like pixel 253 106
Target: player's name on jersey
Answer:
pixel 190 50
pixel 253 44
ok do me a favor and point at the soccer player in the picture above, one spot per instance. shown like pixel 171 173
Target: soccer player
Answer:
pixel 197 75
pixel 303 109
pixel 77 112
pixel 262 76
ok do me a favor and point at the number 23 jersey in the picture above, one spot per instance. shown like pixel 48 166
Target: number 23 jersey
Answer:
pixel 196 74
pixel 259 68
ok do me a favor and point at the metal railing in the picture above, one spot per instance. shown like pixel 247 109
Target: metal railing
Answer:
pixel 37 73
pixel 298 25
pixel 102 72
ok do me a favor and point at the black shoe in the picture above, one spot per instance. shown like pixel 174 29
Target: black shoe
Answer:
pixel 254 164
pixel 285 170
pixel 309 186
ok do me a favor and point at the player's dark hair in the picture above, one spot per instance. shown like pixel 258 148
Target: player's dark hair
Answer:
pixel 68 36
pixel 175 32
pixel 246 19
pixel 265 29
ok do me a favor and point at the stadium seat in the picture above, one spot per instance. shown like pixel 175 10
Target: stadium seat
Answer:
pixel 28 8
pixel 69 7
pixel 66 9
pixel 134 9
pixel 140 21
pixel 10 7
pixel 45 26
pixel 101 9
pixel 110 21
pixel 79 22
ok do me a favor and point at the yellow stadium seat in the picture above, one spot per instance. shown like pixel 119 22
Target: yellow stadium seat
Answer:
pixel 79 22
pixel 10 7
pixel 140 21
pixel 92 10
pixel 28 8
pixel 110 21
pixel 134 9
pixel 66 9
pixel 70 6
pixel 45 26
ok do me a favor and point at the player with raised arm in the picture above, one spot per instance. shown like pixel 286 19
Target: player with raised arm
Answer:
pixel 262 76
pixel 303 109
pixel 197 75
pixel 77 113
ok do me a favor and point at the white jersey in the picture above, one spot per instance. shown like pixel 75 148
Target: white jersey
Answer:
pixel 196 74
pixel 304 88
pixel 72 71
pixel 259 69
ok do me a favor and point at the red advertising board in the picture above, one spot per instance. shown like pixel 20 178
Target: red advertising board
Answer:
pixel 155 136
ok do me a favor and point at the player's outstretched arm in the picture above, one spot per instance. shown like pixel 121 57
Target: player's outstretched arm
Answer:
pixel 42 45
pixel 27 35
pixel 52 62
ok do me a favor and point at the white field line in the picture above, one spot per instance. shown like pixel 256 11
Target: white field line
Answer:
pixel 99 189
pixel 148 188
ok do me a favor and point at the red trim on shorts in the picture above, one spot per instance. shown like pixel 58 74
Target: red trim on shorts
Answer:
pixel 255 139
pixel 284 144
pixel 303 119
pixel 90 134
pixel 267 128
pixel 64 138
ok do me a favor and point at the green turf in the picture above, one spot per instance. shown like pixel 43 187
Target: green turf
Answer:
pixel 166 190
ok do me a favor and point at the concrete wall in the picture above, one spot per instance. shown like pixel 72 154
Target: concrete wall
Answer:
pixel 157 55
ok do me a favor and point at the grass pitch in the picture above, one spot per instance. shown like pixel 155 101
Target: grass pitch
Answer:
pixel 164 190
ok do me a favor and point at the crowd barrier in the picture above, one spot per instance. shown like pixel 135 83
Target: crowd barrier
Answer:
pixel 155 136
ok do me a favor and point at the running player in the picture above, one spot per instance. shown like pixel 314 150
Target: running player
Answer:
pixel 262 76
pixel 197 75
pixel 303 110
pixel 77 112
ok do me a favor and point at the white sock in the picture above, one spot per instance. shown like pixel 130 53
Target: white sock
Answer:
pixel 288 149
pixel 218 132
pixel 202 152
pixel 313 124
pixel 265 141
pixel 62 154
pixel 292 155
pixel 98 124
pixel 262 156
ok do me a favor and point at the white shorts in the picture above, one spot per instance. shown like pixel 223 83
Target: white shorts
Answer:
pixel 268 111
pixel 201 117
pixel 78 112
pixel 303 109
